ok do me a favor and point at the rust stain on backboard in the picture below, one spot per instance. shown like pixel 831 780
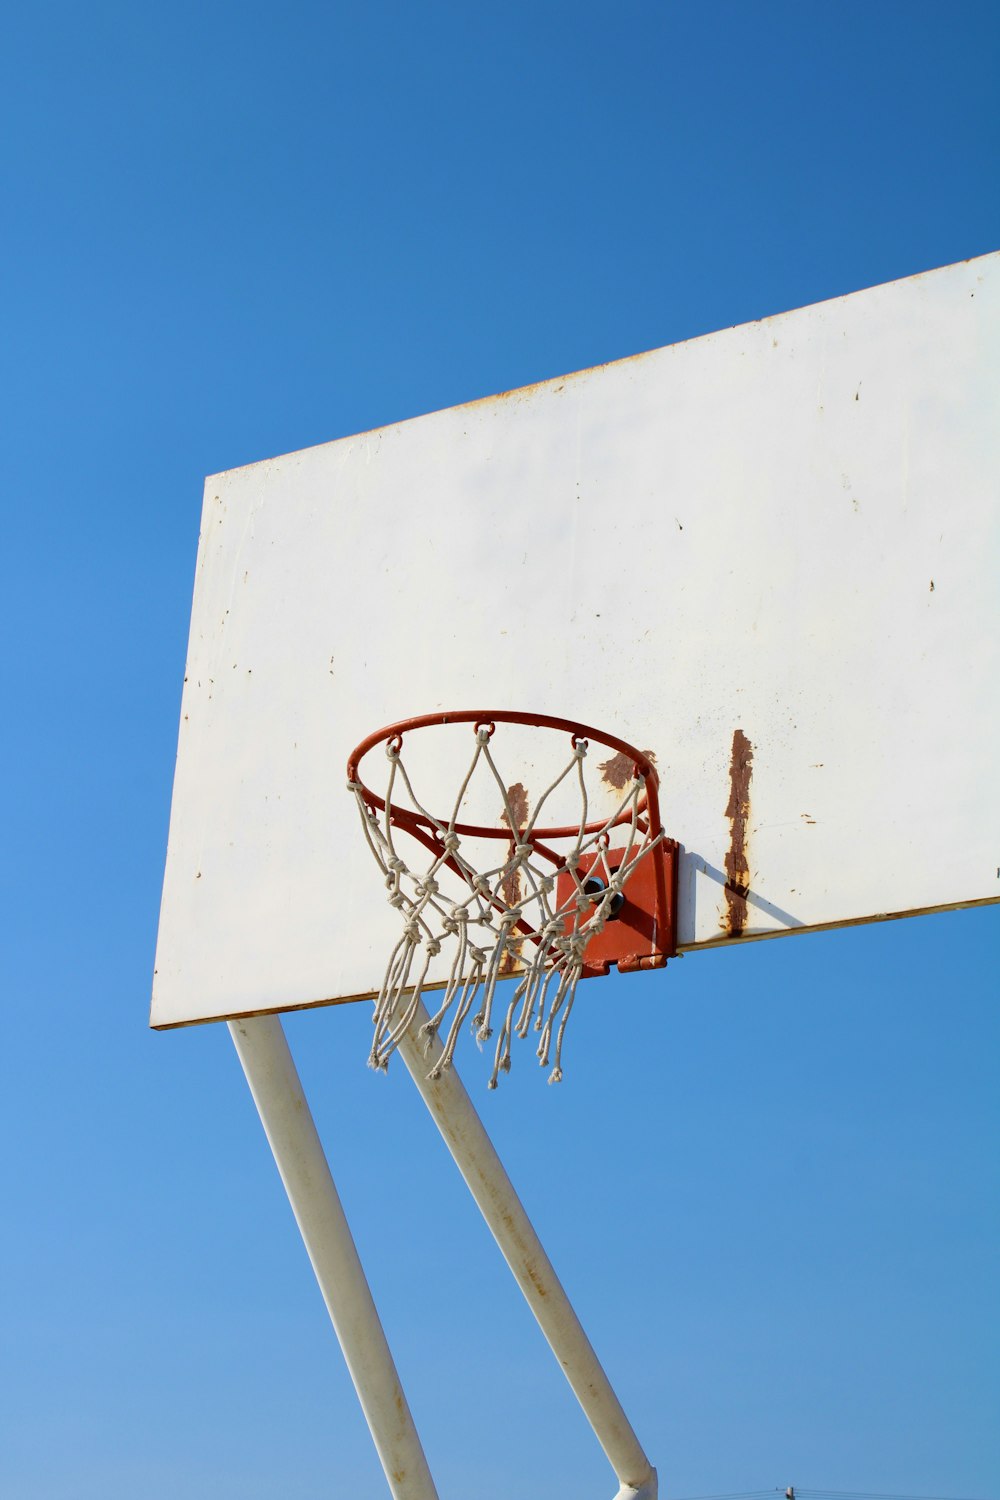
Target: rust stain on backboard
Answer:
pixel 617 771
pixel 510 886
pixel 738 855
pixel 517 799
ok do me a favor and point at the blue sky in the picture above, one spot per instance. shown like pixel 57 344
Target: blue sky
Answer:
pixel 232 231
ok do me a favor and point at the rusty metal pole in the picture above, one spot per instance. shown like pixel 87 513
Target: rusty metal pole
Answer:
pixel 475 1155
pixel 291 1133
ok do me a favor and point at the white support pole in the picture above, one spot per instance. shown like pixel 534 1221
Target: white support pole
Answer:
pixel 475 1155
pixel 291 1132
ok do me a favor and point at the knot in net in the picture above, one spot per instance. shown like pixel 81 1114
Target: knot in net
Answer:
pixel 517 899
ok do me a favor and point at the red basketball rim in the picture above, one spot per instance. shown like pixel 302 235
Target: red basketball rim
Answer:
pixel 648 802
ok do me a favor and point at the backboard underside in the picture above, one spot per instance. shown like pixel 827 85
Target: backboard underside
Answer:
pixel 768 556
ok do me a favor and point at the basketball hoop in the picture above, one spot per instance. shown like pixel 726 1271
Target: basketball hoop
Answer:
pixel 561 902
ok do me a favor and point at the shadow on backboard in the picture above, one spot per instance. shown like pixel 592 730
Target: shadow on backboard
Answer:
pixel 693 865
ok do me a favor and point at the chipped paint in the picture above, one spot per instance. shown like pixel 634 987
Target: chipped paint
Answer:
pixel 517 799
pixel 618 771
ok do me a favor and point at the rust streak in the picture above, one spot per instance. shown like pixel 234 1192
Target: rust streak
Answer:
pixel 738 857
pixel 510 887
pixel 536 1281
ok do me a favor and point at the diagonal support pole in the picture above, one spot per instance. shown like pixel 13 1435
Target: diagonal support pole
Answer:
pixel 277 1092
pixel 475 1155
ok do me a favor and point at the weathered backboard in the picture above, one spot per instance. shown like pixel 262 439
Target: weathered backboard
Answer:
pixel 770 556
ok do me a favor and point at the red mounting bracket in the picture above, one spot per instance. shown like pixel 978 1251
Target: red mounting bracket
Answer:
pixel 643 934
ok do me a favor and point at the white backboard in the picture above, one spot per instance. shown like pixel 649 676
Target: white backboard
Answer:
pixel 770 556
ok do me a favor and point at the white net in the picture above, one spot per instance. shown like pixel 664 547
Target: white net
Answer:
pixel 529 915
